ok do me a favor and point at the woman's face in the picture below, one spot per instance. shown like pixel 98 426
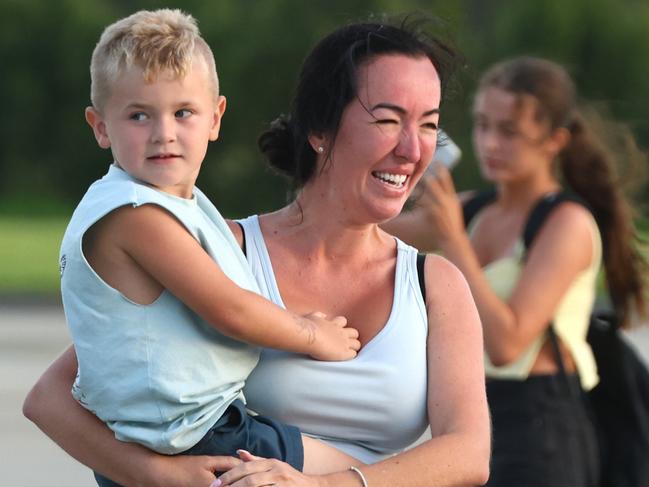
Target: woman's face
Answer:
pixel 386 138
pixel 510 143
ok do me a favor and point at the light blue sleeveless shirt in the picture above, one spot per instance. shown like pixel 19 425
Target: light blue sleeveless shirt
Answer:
pixel 370 407
pixel 157 374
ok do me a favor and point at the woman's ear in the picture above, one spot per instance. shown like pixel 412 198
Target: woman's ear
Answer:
pixel 96 121
pixel 318 142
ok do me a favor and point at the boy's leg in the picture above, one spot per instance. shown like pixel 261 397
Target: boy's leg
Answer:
pixel 265 437
pixel 261 436
pixel 104 481
pixel 320 458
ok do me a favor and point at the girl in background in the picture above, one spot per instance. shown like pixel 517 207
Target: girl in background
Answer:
pixel 532 142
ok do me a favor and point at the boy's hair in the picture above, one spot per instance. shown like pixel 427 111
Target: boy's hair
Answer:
pixel 157 41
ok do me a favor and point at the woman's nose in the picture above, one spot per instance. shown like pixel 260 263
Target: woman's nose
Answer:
pixel 409 146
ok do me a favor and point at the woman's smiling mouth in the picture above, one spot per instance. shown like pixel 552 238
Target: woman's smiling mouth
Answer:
pixel 396 180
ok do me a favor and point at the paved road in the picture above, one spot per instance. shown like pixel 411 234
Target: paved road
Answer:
pixel 31 336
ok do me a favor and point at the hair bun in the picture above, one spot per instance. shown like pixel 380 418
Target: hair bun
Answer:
pixel 277 145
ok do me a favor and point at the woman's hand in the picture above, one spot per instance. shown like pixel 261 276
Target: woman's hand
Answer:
pixel 183 470
pixel 442 207
pixel 258 472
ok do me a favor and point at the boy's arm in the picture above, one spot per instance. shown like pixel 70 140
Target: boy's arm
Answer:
pixel 81 434
pixel 164 249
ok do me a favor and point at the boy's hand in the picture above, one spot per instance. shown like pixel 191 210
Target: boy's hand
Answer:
pixel 334 340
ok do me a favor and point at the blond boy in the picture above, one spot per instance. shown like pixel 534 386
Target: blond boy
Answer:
pixel 163 311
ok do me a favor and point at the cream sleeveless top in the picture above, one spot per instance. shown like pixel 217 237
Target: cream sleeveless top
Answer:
pixel 570 320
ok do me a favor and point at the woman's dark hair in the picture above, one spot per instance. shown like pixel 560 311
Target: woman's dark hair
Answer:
pixel 588 167
pixel 328 83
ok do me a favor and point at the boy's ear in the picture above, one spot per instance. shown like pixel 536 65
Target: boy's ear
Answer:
pixel 219 110
pixel 96 121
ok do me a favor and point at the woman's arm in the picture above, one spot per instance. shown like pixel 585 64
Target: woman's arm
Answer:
pixel 52 408
pixel 458 452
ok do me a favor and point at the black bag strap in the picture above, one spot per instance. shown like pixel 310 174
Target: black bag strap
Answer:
pixel 473 205
pixel 557 353
pixel 535 221
pixel 536 218
pixel 421 260
pixel 542 210
pixel 571 391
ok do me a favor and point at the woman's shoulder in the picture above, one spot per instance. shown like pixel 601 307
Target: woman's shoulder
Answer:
pixel 445 276
pixel 449 301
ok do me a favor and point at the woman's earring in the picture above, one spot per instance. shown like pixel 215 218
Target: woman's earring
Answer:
pixel 320 150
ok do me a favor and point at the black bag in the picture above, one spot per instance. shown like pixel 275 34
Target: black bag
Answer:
pixel 620 401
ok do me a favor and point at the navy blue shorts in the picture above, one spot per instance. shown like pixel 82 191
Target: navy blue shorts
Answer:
pixel 237 429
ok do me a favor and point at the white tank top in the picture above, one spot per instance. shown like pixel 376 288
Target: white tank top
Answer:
pixel 369 407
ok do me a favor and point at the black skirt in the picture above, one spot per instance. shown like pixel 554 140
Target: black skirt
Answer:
pixel 543 433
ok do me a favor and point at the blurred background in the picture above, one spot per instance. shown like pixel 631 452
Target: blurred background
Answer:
pixel 48 155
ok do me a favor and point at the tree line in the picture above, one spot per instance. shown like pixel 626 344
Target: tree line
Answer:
pixel 48 155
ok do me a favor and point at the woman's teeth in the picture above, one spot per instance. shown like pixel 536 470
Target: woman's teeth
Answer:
pixel 394 179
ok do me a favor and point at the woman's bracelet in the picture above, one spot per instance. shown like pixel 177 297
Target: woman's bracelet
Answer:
pixel 360 474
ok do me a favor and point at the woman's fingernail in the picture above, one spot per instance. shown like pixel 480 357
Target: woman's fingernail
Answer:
pixel 240 451
pixel 216 483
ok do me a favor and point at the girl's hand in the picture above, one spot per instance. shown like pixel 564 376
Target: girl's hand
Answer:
pixel 442 207
pixel 258 472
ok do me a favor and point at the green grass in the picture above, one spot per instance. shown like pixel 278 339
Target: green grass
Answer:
pixel 643 228
pixel 29 249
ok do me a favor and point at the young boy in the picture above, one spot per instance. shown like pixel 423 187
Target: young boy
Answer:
pixel 161 305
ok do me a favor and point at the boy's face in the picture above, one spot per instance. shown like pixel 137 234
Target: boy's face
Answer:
pixel 159 132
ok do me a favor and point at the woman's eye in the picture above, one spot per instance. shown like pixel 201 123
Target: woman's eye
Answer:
pixel 430 126
pixel 183 113
pixel 138 116
pixel 385 121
